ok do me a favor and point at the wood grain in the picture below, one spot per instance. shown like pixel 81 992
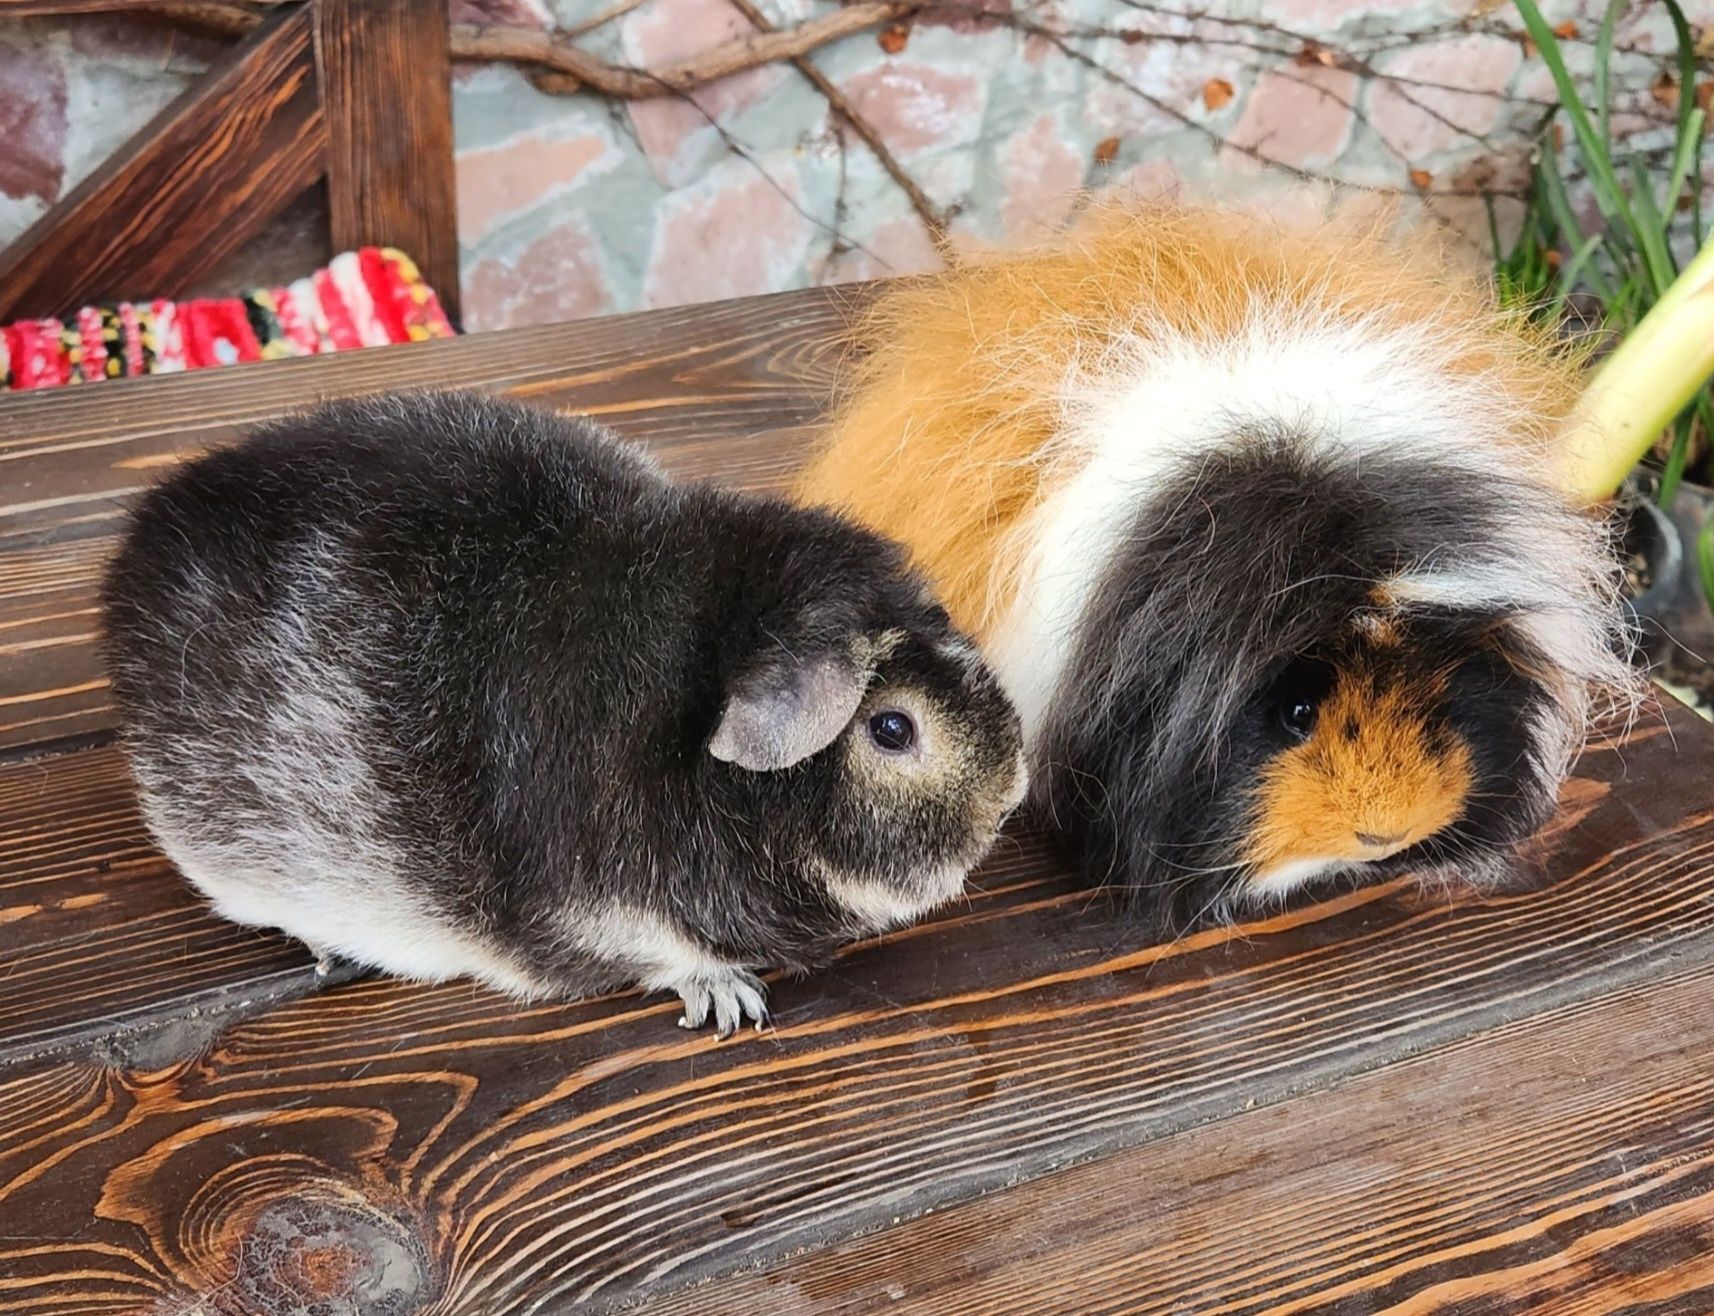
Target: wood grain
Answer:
pixel 1559 1164
pixel 724 390
pixel 386 84
pixel 97 931
pixel 187 191
pixel 471 1156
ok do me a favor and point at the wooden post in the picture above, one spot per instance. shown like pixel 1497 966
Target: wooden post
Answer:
pixel 187 191
pixel 386 89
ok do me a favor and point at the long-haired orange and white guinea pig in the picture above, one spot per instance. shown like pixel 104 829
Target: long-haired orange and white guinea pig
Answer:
pixel 1260 530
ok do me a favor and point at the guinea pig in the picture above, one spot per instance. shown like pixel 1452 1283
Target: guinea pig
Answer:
pixel 1261 531
pixel 446 686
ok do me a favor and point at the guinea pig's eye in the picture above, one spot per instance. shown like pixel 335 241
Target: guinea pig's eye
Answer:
pixel 1297 716
pixel 892 731
pixel 1297 695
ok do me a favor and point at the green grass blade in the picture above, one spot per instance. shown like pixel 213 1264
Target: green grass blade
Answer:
pixel 1686 155
pixel 1651 227
pixel 1604 68
pixel 1552 183
pixel 1690 118
pixel 1705 559
pixel 1597 159
pixel 1570 272
pixel 1673 472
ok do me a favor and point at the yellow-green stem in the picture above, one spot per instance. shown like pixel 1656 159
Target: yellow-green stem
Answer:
pixel 1643 385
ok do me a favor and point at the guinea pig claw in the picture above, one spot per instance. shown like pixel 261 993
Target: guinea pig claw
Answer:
pixel 333 971
pixel 730 995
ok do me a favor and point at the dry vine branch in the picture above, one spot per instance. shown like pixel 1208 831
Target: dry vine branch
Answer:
pixel 566 67
pixel 573 68
pixel 925 209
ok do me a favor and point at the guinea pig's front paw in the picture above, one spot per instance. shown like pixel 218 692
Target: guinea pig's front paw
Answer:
pixel 336 970
pixel 732 994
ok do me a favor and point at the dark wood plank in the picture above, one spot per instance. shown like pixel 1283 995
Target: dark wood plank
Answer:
pixel 489 1158
pixel 719 391
pixel 1559 1164
pixel 386 86
pixel 187 191
pixel 96 929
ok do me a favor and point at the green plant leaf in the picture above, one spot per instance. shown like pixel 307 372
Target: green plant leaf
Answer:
pixel 1551 182
pixel 1690 118
pixel 1604 68
pixel 1686 156
pixel 1705 559
pixel 1597 159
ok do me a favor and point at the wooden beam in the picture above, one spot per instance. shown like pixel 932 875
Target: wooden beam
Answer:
pixel 185 192
pixel 386 89
pixel 60 8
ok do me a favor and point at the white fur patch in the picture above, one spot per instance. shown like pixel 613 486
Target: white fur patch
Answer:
pixel 663 957
pixel 1278 883
pixel 1138 412
pixel 312 856
pixel 883 905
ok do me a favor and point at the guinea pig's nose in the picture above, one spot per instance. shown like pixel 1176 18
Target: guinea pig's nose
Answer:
pixel 1377 842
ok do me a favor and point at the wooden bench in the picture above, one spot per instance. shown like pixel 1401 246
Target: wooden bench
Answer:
pixel 1389 1102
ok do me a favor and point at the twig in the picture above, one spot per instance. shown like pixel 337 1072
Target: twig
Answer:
pixel 930 216
pixel 606 16
pixel 567 67
pixel 573 68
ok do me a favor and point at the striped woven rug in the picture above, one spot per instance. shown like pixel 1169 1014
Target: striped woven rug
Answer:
pixel 365 298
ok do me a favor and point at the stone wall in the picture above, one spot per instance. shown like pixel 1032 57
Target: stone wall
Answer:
pixel 1002 111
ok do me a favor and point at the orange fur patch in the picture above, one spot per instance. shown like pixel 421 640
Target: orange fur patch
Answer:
pixel 944 438
pixel 1369 781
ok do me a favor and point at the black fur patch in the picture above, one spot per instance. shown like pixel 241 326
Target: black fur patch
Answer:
pixel 1252 561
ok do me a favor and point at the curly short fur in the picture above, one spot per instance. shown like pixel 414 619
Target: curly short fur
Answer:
pixel 450 686
pixel 1171 463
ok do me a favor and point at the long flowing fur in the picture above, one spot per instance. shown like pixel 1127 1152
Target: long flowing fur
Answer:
pixel 1154 462
pixel 968 376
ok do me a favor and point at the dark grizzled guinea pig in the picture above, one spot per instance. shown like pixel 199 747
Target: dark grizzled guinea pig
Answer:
pixel 447 686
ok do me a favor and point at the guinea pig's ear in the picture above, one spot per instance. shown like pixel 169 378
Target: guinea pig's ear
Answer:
pixel 784 711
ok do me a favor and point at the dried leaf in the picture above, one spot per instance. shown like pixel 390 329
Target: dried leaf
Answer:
pixel 1216 93
pixel 1705 42
pixel 1482 8
pixel 1705 97
pixel 1105 150
pixel 1530 52
pixel 1313 53
pixel 1665 90
pixel 1421 178
pixel 894 37
pixel 1567 30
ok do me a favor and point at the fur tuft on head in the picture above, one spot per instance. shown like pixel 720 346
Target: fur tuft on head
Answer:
pixel 968 377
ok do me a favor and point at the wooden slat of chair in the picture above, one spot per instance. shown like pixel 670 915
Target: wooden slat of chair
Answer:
pixel 185 192
pixel 358 90
pixel 386 87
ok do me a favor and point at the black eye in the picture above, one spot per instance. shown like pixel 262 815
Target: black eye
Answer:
pixel 1297 694
pixel 892 731
pixel 1297 716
